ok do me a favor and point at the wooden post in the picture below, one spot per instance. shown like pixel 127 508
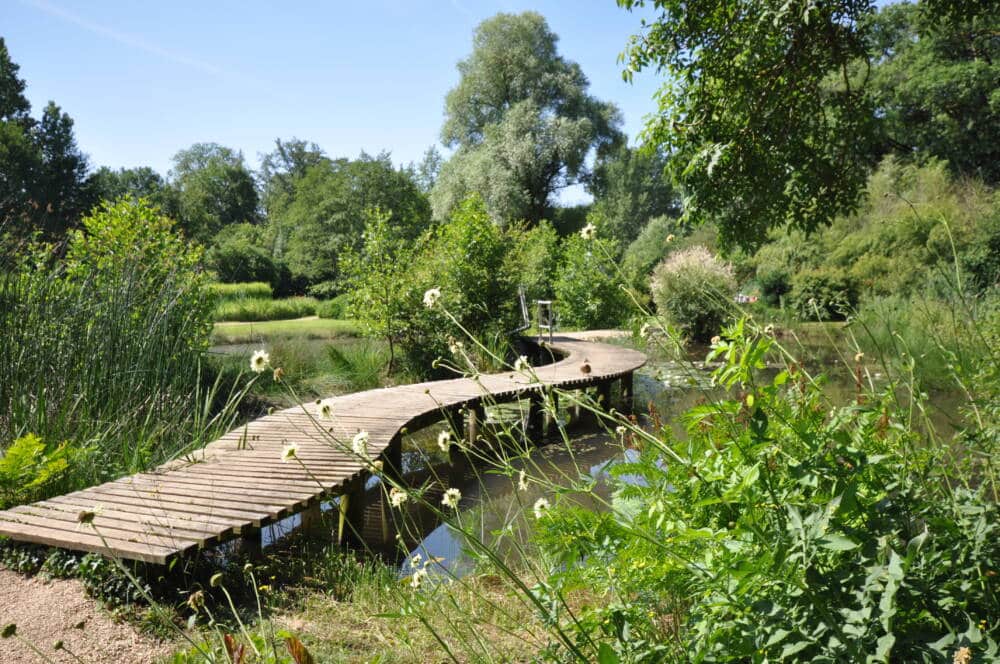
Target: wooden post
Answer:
pixel 311 521
pixel 351 521
pixel 604 396
pixel 552 419
pixel 536 418
pixel 628 393
pixel 392 471
pixel 249 543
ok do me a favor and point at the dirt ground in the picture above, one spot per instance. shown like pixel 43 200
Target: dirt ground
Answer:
pixel 46 611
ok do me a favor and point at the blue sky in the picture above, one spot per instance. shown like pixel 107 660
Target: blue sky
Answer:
pixel 143 79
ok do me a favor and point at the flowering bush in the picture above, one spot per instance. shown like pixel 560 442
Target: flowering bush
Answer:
pixel 694 290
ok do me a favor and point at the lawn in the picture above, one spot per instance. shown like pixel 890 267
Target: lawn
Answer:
pixel 310 327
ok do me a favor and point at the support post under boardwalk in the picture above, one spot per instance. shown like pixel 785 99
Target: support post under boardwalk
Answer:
pixel 392 471
pixel 536 417
pixel 250 544
pixel 628 393
pixel 604 397
pixel 351 521
pixel 312 521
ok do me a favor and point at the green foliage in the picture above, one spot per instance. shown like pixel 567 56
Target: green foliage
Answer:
pixel 44 187
pixel 630 189
pixel 359 366
pixel 30 469
pixel 825 293
pixel 694 291
pixel 658 238
pixel 521 120
pixel 534 259
pixel 337 308
pixel 762 121
pixel 374 276
pixel 589 293
pixel 214 189
pixel 238 253
pixel 133 183
pixel 935 85
pixel 239 291
pixel 781 527
pixel 466 258
pixel 105 350
pixel 260 309
pixel 325 214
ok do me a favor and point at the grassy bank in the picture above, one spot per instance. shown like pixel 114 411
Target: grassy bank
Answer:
pixel 300 328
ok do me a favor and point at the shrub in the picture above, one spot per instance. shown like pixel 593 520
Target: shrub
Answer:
pixel 657 238
pixel 589 292
pixel 239 291
pixel 256 309
pixel 694 290
pixel 534 259
pixel 824 293
pixel 106 350
pixel 30 469
pixel 337 308
pixel 782 528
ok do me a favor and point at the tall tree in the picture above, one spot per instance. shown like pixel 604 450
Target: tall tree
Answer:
pixel 521 111
pixel 326 212
pixel 936 85
pixel 759 113
pixel 630 188
pixel 282 166
pixel 214 188
pixel 43 173
pixel 143 182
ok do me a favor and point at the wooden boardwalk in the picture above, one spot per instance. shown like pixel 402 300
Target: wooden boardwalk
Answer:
pixel 238 484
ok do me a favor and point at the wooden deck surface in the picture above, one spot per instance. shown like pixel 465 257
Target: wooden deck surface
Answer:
pixel 238 483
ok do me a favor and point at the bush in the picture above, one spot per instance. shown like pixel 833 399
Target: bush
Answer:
pixel 338 308
pixel 824 293
pixel 782 528
pixel 694 290
pixel 588 289
pixel 257 309
pixel 240 291
pixel 534 259
pixel 105 351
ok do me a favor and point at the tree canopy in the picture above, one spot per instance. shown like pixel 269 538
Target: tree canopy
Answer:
pixel 214 189
pixel 521 121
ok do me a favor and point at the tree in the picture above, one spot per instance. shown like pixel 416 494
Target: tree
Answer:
pixel 325 214
pixel 630 188
pixel 425 173
pixel 42 170
pixel 373 276
pixel 761 117
pixel 214 189
pixel 936 84
pixel 280 168
pixel 107 184
pixel 521 121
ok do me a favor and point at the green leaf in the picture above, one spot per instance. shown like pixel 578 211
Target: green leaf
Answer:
pixel 836 542
pixel 607 655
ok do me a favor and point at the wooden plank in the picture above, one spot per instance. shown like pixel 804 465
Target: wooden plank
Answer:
pixel 85 542
pixel 123 496
pixel 282 491
pixel 71 529
pixel 105 522
pixel 204 494
pixel 210 489
pixel 139 515
pixel 210 523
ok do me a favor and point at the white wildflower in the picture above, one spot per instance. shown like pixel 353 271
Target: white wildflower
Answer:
pixel 522 481
pixel 397 497
pixel 431 296
pixel 444 440
pixel 325 409
pixel 415 561
pixel 522 363
pixel 588 232
pixel 451 498
pixel 289 452
pixel 418 577
pixel 360 444
pixel 541 507
pixel 259 361
pixel 670 238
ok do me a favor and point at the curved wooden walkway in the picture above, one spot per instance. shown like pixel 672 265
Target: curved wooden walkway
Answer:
pixel 238 484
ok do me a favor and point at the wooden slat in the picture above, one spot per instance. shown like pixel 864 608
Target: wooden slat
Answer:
pixel 104 522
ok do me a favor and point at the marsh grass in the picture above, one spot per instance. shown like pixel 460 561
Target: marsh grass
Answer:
pixel 240 291
pixel 262 309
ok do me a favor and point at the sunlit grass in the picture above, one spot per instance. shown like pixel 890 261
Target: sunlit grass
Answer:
pixel 299 328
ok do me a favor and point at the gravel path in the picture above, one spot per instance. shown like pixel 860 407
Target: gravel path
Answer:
pixel 46 611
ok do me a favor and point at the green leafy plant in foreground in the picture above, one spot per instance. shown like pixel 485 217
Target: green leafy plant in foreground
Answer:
pixel 29 467
pixel 781 528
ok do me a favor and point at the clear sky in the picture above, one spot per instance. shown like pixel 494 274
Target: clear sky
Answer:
pixel 145 79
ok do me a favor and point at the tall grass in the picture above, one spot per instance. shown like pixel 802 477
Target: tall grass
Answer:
pixel 241 291
pixel 259 309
